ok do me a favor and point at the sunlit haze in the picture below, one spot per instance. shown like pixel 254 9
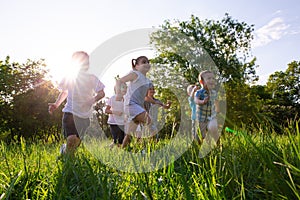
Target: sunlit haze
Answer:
pixel 53 30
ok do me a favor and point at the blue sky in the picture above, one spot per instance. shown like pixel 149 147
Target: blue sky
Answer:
pixel 55 29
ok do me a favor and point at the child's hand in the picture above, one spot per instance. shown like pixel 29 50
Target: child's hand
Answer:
pixel 52 107
pixel 205 100
pixel 168 105
pixel 159 103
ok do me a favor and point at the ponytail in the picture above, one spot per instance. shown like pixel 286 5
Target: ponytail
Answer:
pixel 135 61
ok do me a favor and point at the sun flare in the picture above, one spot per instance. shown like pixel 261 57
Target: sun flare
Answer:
pixel 57 73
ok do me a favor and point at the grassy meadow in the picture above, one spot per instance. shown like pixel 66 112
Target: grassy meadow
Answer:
pixel 256 165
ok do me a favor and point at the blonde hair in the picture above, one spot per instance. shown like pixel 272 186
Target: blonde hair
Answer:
pixel 189 89
pixel 203 73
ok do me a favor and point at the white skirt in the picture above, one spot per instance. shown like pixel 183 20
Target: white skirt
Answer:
pixel 131 111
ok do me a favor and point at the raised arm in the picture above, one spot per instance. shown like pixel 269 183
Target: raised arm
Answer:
pixel 129 77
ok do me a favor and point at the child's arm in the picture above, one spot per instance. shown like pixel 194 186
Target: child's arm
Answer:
pixel 99 95
pixel 201 102
pixel 109 110
pixel 61 97
pixel 194 91
pixel 165 106
pixel 168 105
pixel 150 100
pixel 129 77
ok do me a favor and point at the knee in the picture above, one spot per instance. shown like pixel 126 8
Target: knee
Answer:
pixel 213 129
pixel 73 141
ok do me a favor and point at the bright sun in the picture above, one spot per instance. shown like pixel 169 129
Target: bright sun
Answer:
pixel 120 66
pixel 69 70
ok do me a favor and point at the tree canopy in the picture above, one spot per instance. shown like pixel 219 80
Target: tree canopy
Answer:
pixel 25 93
pixel 185 48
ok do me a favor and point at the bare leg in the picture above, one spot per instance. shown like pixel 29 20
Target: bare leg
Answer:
pixel 210 139
pixel 213 134
pixel 72 143
pixel 126 140
pixel 131 127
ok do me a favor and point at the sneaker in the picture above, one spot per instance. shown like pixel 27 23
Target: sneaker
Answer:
pixel 62 149
pixel 111 145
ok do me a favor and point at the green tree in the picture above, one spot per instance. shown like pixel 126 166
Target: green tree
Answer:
pixel 31 119
pixel 285 86
pixel 227 42
pixel 282 96
pixel 184 48
pixel 24 97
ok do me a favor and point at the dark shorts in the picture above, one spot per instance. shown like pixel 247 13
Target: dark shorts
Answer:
pixel 117 132
pixel 73 125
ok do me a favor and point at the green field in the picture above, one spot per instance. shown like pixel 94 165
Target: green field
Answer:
pixel 256 165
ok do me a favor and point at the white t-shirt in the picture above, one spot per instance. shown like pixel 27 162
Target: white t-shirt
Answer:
pixel 115 106
pixel 80 91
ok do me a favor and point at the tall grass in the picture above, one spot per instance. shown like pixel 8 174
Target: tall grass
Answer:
pixel 256 165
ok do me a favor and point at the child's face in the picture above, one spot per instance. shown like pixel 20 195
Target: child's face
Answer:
pixel 151 92
pixel 209 81
pixel 123 89
pixel 143 65
pixel 81 60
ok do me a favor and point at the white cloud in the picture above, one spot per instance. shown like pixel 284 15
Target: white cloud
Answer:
pixel 274 30
pixel 278 12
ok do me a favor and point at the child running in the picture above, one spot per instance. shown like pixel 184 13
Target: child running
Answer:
pixel 151 105
pixel 116 120
pixel 191 90
pixel 135 96
pixel 207 108
pixel 81 93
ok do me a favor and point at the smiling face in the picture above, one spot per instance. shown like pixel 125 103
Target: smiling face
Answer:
pixel 151 92
pixel 142 65
pixel 123 89
pixel 208 80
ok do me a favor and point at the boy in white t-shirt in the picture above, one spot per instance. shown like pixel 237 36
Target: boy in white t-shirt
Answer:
pixel 81 93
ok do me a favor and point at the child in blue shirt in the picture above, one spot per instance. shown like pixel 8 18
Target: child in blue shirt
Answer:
pixel 191 90
pixel 207 103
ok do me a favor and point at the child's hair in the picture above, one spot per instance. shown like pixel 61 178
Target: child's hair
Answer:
pixel 123 87
pixel 201 75
pixel 189 89
pixel 81 57
pixel 135 61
